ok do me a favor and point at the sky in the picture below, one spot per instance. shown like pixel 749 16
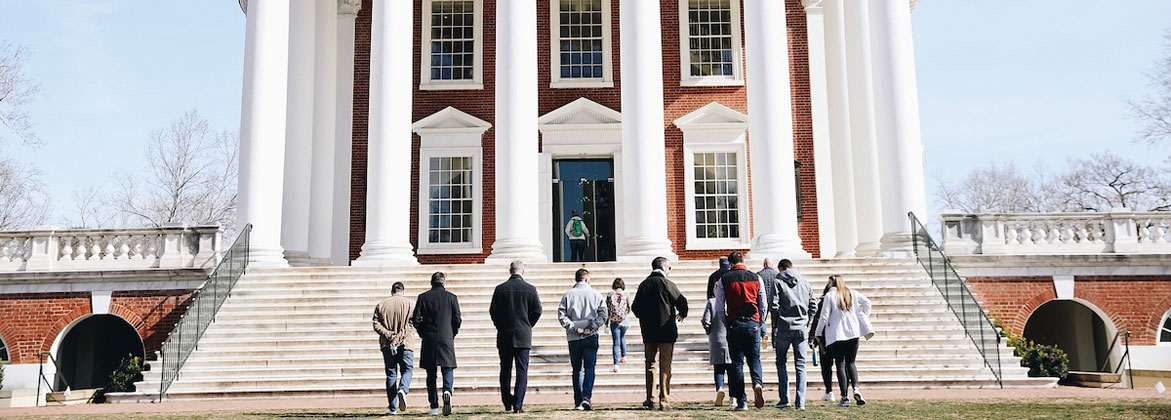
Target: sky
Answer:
pixel 1027 82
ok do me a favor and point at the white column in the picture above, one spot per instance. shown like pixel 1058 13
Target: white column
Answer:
pixel 321 196
pixel 262 128
pixel 388 186
pixel 896 97
pixel 822 155
pixel 862 130
pixel 298 133
pixel 343 144
pixel 643 139
pixel 845 209
pixel 770 132
pixel 517 235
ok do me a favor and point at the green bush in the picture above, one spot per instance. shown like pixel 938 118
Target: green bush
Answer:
pixel 122 379
pixel 1042 360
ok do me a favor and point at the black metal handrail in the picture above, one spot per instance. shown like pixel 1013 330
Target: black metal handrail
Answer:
pixel 201 310
pixel 977 326
pixel 1125 335
pixel 45 380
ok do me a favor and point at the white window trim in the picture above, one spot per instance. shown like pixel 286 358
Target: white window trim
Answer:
pixel 477 82
pixel 607 80
pixel 450 133
pixel 686 79
pixel 695 242
pixel 1159 331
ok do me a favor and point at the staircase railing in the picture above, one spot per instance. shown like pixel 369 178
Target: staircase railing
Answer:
pixel 977 326
pixel 41 378
pixel 201 310
pixel 1125 335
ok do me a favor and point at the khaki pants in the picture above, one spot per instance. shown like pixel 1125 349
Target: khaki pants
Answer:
pixel 664 351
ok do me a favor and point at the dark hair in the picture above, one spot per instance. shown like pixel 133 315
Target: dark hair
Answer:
pixel 657 263
pixel 786 264
pixel 580 275
pixel 438 278
pixel 735 257
pixel 397 287
pixel 618 284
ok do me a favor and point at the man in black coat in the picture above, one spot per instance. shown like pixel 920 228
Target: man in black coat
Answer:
pixel 659 307
pixel 437 319
pixel 515 309
pixel 714 277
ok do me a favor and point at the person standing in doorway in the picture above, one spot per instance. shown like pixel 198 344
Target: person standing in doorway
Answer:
pixel 791 309
pixel 716 326
pixel 618 306
pixel 582 312
pixel 515 309
pixel 659 307
pixel 577 232
pixel 437 319
pixel 740 293
pixel 396 337
pixel 844 319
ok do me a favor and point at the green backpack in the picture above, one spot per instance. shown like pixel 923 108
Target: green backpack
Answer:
pixel 576 227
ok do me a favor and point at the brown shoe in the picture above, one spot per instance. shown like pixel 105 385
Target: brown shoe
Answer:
pixel 759 396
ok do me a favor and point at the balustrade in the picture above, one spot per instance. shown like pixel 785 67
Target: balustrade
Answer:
pixel 1119 231
pixel 48 248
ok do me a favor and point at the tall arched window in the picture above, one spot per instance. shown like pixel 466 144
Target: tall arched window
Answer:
pixel 3 351
pixel 1165 329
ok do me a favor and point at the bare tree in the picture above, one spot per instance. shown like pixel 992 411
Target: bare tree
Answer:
pixel 998 188
pixel 190 177
pixel 1155 110
pixel 92 210
pixel 16 91
pixel 1105 180
pixel 23 201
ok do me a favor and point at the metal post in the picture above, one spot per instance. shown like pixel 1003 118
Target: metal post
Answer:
pixel 40 378
pixel 1129 370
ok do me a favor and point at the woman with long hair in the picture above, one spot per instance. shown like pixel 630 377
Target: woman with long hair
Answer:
pixel 843 320
pixel 619 307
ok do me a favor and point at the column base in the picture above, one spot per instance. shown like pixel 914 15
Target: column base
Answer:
pixel 380 254
pixel 646 249
pixel 777 247
pixel 298 258
pixel 868 249
pixel 508 250
pixel 897 244
pixel 845 254
pixel 267 258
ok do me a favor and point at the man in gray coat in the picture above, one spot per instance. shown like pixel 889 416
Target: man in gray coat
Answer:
pixel 769 275
pixel 582 312
pixel 792 304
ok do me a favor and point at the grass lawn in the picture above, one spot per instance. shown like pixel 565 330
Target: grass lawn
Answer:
pixel 1055 409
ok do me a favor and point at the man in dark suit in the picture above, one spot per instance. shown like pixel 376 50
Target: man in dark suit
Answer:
pixel 659 307
pixel 515 309
pixel 437 319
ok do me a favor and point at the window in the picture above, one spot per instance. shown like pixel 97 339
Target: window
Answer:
pixel 452 42
pixel 450 200
pixel 3 351
pixel 450 173
pixel 1165 329
pixel 710 42
pixel 716 196
pixel 580 35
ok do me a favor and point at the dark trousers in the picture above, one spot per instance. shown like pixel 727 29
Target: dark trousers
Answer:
pixel 744 342
pixel 844 353
pixel 398 373
pixel 583 358
pixel 508 356
pixel 827 369
pixel 448 383
pixel 577 249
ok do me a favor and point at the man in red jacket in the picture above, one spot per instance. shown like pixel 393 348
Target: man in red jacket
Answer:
pixel 741 293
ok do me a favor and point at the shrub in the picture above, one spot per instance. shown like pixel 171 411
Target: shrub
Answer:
pixel 122 379
pixel 1042 360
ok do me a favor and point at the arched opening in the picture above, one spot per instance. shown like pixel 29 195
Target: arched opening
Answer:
pixel 3 351
pixel 1076 328
pixel 93 348
pixel 1165 329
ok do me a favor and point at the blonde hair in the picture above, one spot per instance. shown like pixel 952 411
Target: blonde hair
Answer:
pixel 845 297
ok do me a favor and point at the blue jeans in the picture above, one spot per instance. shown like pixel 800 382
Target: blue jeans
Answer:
pixel 618 332
pixel 448 383
pixel 577 248
pixel 799 341
pixel 401 362
pixel 744 342
pixel 583 358
pixel 721 370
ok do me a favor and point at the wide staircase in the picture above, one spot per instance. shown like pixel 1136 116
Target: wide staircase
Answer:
pixel 307 332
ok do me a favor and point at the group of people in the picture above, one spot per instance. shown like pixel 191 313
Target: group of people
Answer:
pixel 739 303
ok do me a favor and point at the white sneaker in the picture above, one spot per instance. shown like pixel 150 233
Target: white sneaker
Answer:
pixel 447 403
pixel 434 411
pixel 615 368
pixel 828 397
pixel 578 408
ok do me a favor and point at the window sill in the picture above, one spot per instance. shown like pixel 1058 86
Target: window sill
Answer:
pixel 451 86
pixel 581 84
pixel 710 81
pixel 441 250
pixel 715 244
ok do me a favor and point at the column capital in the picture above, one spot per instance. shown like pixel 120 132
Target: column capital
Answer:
pixel 346 7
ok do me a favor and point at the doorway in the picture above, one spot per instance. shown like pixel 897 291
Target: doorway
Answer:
pixel 93 348
pixel 584 187
pixel 1074 328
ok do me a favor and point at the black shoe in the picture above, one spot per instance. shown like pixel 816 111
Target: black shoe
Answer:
pixel 585 405
pixel 447 403
pixel 858 399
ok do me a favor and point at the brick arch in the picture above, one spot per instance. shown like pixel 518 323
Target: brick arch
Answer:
pixel 59 326
pixel 1154 322
pixel 1103 303
pixel 130 317
pixel 1026 311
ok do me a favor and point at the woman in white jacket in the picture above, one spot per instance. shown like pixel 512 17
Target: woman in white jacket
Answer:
pixel 845 317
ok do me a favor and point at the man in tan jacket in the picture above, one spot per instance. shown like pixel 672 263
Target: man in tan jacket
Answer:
pixel 397 337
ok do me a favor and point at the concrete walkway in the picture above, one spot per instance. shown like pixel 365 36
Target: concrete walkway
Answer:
pixel 418 400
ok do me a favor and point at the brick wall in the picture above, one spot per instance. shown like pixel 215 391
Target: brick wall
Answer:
pixel 1134 303
pixel 30 322
pixel 480 103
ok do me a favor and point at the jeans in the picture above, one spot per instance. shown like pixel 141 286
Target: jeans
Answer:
pixel 799 342
pixel 448 383
pixel 721 370
pixel 577 249
pixel 844 353
pixel 665 353
pixel 515 400
pixel 401 362
pixel 583 358
pixel 744 342
pixel 618 332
